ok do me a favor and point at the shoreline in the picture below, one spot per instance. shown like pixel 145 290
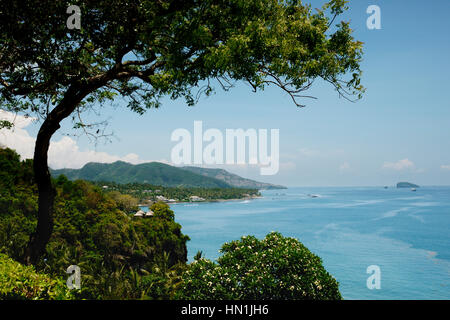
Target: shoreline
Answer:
pixel 207 201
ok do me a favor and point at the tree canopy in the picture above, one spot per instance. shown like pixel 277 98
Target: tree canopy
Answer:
pixel 142 51
pixel 274 268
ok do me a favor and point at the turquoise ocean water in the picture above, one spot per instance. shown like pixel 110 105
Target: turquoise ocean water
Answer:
pixel 405 233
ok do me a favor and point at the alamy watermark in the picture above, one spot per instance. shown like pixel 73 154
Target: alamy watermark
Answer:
pixel 374 20
pixel 74 20
pixel 374 280
pixel 74 280
pixel 235 150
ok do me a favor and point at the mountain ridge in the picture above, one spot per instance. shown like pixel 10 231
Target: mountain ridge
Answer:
pixel 161 174
pixel 232 179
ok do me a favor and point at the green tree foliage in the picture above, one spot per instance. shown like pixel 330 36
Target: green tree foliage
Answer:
pixel 273 268
pixel 18 282
pixel 125 202
pixel 145 192
pixel 144 50
pixel 112 248
pixel 162 210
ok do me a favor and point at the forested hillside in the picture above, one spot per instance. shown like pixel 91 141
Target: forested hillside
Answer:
pixel 119 256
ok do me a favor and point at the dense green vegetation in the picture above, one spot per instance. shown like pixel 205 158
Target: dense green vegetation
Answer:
pixel 21 282
pixel 146 192
pixel 275 268
pixel 119 256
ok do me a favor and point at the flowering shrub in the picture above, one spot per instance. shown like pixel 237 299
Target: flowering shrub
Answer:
pixel 276 267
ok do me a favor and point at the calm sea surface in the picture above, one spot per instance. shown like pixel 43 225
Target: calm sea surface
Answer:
pixel 405 233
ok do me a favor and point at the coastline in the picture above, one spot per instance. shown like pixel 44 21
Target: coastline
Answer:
pixel 208 201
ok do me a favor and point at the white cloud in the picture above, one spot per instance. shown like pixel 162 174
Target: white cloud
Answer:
pixel 17 138
pixel 64 153
pixel 399 165
pixel 445 167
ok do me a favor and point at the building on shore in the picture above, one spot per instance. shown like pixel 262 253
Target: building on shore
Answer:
pixel 196 198
pixel 161 198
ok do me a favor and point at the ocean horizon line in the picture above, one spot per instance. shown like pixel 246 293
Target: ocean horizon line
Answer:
pixel 361 186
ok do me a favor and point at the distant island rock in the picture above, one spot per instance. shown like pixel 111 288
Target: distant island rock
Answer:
pixel 407 185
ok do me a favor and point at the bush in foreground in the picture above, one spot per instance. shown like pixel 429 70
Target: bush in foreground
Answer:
pixel 23 282
pixel 275 268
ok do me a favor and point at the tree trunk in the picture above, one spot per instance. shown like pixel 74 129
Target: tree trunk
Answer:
pixel 46 191
pixel 73 96
pixel 46 194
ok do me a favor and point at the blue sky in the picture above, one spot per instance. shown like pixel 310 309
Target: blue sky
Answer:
pixel 400 130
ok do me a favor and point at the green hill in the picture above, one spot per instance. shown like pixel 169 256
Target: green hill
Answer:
pixel 155 173
pixel 161 174
pixel 232 179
